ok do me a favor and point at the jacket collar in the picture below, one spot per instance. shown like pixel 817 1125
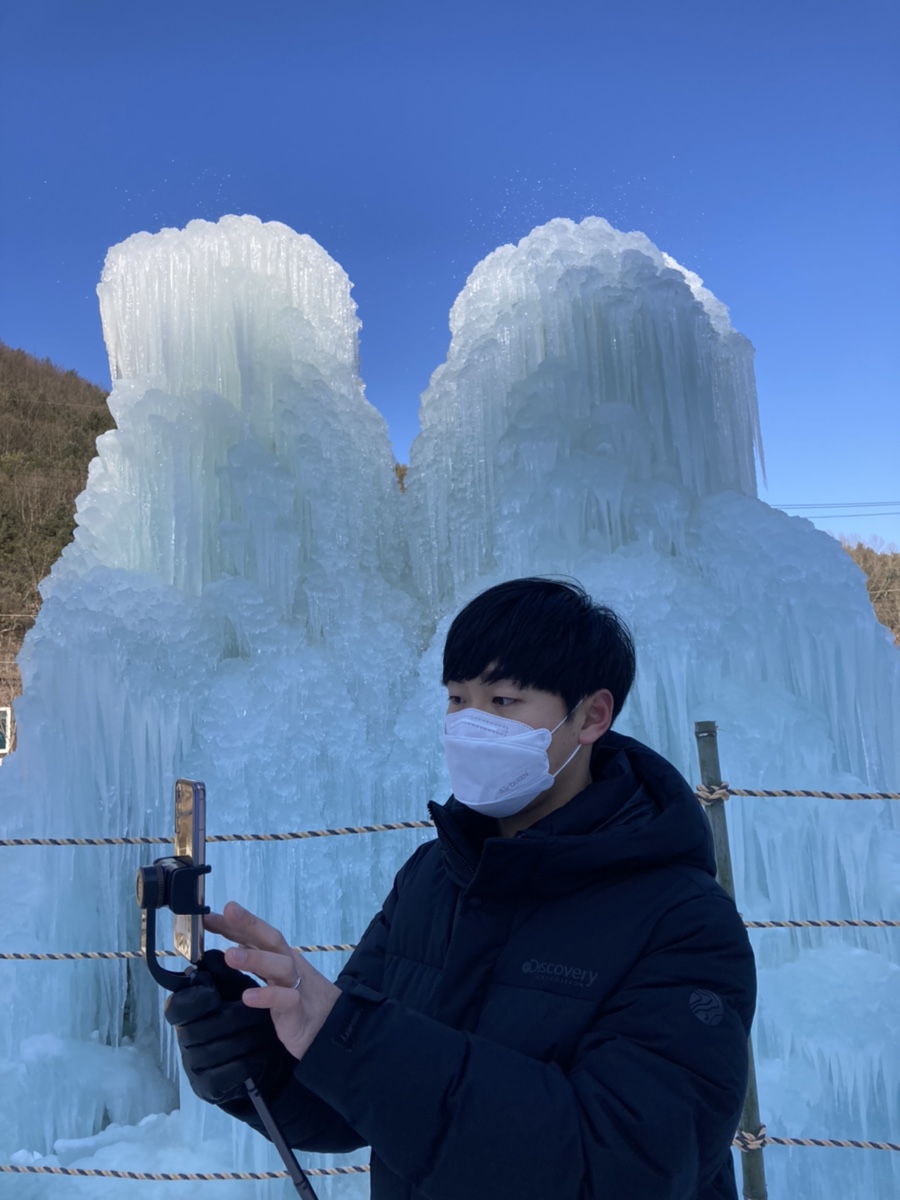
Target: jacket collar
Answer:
pixel 637 813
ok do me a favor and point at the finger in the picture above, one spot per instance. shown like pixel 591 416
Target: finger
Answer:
pixel 238 925
pixel 278 969
pixel 278 1000
pixel 214 922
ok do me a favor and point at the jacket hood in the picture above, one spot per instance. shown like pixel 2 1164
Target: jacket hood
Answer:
pixel 637 813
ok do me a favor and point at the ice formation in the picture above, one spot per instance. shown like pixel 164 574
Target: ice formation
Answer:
pixel 250 600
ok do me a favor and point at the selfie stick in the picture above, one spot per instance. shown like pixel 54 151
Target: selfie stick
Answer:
pixel 299 1178
pixel 172 883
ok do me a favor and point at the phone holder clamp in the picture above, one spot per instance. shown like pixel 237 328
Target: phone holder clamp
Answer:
pixel 167 883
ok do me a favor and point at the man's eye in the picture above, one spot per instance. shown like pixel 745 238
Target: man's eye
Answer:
pixel 454 700
pixel 504 701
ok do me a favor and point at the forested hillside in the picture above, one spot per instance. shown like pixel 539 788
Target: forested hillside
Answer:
pixel 49 422
pixel 882 568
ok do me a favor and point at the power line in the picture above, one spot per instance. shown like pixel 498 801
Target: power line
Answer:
pixel 821 516
pixel 842 504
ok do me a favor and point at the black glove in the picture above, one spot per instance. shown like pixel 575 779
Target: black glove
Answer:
pixel 222 1041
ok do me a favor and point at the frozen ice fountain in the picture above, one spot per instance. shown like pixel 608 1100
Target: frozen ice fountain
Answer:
pixel 250 600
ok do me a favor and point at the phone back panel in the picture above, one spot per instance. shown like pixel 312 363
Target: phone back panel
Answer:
pixel 190 844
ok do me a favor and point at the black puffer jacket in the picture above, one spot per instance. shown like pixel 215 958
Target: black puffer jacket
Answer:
pixel 562 1015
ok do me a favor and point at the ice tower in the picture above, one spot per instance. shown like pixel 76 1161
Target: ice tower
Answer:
pixel 596 416
pixel 198 624
pixel 250 600
pixel 592 385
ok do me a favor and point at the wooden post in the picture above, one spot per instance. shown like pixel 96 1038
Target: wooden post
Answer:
pixel 752 1164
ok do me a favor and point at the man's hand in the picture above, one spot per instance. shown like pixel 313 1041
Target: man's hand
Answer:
pixel 298 1013
pixel 222 1041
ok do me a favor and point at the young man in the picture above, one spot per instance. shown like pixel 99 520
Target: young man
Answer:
pixel 555 1000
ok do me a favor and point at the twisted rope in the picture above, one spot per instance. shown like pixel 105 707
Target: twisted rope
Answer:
pixel 300 834
pixel 73 955
pixel 815 795
pixel 750 1141
pixel 710 795
pixel 175 1176
pixel 745 1142
pixel 326 947
pixel 820 924
pixel 706 796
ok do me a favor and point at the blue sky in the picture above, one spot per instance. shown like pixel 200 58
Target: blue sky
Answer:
pixel 756 141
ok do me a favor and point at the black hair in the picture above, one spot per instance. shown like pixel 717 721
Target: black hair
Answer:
pixel 542 633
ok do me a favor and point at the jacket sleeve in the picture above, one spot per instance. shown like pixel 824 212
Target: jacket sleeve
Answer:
pixel 647 1108
pixel 308 1121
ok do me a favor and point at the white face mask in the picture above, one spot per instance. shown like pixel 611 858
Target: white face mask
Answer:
pixel 498 766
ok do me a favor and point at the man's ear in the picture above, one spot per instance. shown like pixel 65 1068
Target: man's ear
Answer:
pixel 598 716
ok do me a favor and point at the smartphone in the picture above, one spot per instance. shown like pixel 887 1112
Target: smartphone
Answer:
pixel 190 844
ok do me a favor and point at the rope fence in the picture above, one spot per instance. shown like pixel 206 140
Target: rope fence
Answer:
pixel 708 796
pixel 72 955
pixel 745 1142
pixel 176 1176
pixel 705 795
pixel 326 947
pixel 300 834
